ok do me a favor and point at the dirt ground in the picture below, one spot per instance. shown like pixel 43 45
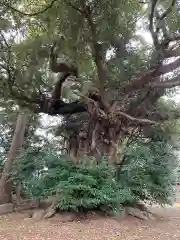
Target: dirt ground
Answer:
pixel 20 227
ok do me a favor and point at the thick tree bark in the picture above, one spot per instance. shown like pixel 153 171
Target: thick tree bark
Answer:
pixel 15 149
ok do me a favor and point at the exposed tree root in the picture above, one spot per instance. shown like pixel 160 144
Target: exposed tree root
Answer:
pixel 50 211
pixel 143 214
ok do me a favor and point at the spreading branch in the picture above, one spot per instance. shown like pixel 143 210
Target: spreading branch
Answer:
pixel 157 115
pixel 138 120
pixel 167 84
pixel 29 14
pixel 152 76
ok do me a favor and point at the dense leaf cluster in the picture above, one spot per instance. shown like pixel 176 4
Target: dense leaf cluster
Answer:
pixel 146 175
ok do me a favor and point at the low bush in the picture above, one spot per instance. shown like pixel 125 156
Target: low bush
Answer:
pixel 146 174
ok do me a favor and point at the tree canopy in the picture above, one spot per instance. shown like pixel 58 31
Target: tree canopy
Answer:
pixel 115 78
pixel 101 38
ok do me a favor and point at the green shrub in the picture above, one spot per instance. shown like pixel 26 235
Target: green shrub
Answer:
pixel 146 174
pixel 149 170
pixel 80 187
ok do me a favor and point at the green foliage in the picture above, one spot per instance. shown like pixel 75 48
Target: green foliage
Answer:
pixel 149 170
pixel 116 21
pixel 78 187
pixel 147 174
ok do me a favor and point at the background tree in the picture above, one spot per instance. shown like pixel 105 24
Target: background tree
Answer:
pixel 16 136
pixel 15 149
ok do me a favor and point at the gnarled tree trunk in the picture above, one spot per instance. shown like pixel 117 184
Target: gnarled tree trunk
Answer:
pixel 15 149
pixel 97 135
pixel 103 132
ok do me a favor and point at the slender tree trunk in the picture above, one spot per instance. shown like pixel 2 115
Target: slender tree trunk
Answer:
pixel 18 193
pixel 15 149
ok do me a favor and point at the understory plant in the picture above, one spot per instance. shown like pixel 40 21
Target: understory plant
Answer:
pixel 146 174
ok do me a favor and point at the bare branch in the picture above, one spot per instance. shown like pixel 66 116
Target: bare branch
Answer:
pixel 29 14
pixel 138 120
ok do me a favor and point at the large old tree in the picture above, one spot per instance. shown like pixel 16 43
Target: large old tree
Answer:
pixel 118 78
